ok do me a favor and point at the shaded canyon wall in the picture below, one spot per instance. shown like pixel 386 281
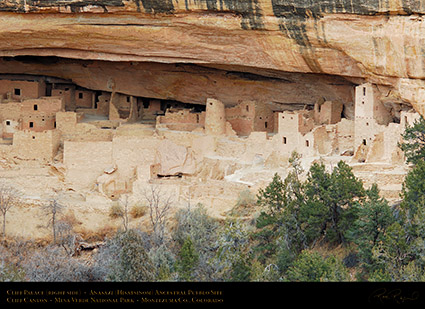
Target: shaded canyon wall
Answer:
pixel 354 41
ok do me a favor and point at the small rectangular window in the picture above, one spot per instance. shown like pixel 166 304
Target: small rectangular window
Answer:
pixel 80 95
pixel 35 107
pixel 31 124
pixel 364 91
pixel 17 91
pixel 284 140
pixel 8 123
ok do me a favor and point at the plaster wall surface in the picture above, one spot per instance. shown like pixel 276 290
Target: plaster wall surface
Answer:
pixel 328 113
pixel 22 89
pixel 32 145
pixel 84 98
pixel 67 92
pixel 181 120
pixel 10 117
pixel 215 117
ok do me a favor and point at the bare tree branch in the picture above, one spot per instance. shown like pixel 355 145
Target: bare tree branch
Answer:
pixel 159 204
pixel 52 209
pixel 9 197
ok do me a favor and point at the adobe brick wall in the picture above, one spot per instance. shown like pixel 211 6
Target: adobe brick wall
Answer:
pixel 32 145
pixel 328 113
pixel 10 118
pixel 84 98
pixel 25 89
pixel 40 114
pixel 181 120
pixel 264 119
pixel 241 117
pixel 67 92
pixel 369 114
pixel 215 117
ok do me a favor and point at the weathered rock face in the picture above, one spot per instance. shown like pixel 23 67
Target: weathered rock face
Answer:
pixel 228 49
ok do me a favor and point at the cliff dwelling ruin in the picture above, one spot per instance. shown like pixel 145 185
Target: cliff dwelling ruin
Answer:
pixel 203 98
pixel 112 142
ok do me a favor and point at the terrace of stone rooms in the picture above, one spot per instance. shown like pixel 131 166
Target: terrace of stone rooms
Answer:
pixel 57 136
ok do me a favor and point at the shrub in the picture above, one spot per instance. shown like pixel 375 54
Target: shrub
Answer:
pixel 116 211
pixel 52 264
pixel 187 261
pixel 312 267
pixel 10 272
pixel 125 258
pixel 138 211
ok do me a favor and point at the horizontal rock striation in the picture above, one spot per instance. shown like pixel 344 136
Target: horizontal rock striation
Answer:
pixel 242 41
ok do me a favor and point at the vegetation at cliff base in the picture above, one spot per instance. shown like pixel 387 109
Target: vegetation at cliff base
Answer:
pixel 324 226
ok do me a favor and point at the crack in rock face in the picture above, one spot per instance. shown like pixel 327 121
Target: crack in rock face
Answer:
pixel 375 40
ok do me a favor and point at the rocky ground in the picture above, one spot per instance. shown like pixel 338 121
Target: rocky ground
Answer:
pixel 89 211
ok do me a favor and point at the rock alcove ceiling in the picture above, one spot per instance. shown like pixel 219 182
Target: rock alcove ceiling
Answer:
pixel 271 51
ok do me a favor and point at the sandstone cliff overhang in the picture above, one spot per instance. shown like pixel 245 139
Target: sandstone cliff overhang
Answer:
pixel 252 40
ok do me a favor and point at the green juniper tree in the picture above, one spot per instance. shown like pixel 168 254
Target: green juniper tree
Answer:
pixel 312 267
pixel 127 258
pixel 279 229
pixel 187 260
pixel 403 246
pixel 196 224
pixel 329 210
pixel 413 144
pixel 232 255
pixel 374 217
